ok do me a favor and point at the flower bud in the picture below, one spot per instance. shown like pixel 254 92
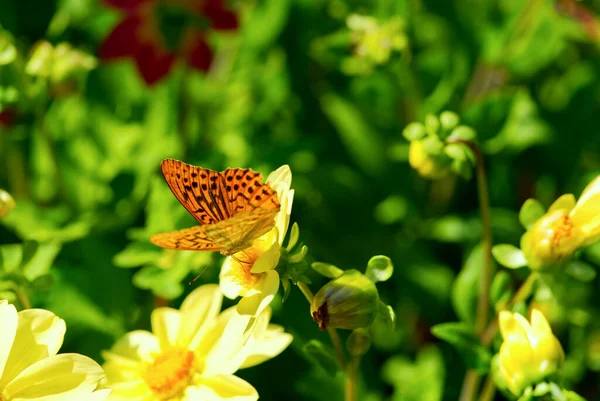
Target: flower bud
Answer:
pixel 530 353
pixel 7 203
pixel 428 165
pixel 358 342
pixel 348 302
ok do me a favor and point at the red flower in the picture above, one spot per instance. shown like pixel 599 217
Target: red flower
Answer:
pixel 156 32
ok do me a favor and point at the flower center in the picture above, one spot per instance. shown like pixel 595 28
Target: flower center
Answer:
pixel 170 373
pixel 562 228
pixel 243 275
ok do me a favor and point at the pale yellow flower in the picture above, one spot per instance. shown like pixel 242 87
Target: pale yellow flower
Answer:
pixel 428 166
pixel 529 353
pixel 251 272
pixel 193 353
pixel 30 368
pixel 376 41
pixel 565 228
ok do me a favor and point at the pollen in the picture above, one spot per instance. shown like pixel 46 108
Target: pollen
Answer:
pixel 243 274
pixel 562 229
pixel 170 373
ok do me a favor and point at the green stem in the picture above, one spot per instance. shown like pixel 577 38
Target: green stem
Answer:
pixel 351 379
pixel 489 390
pixel 333 334
pixel 470 386
pixel 23 297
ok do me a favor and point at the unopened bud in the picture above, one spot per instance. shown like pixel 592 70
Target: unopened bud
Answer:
pixel 7 203
pixel 428 165
pixel 348 302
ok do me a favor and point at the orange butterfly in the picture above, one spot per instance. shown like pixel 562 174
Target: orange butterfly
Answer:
pixel 233 206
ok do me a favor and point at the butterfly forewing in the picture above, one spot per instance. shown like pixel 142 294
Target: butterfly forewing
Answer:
pixel 234 206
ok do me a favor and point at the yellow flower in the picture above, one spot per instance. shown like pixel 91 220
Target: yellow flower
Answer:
pixel 376 41
pixel 192 353
pixel 566 227
pixel 428 166
pixel 251 272
pixel 529 353
pixel 30 368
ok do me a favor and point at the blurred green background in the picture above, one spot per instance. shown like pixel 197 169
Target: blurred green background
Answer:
pixel 299 83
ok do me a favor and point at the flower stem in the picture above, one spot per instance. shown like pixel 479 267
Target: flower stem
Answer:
pixel 351 378
pixel 23 297
pixel 470 386
pixel 333 334
pixel 489 390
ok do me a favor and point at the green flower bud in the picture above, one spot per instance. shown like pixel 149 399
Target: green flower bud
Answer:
pixel 348 302
pixel 449 120
pixel 358 342
pixel 428 165
pixel 7 203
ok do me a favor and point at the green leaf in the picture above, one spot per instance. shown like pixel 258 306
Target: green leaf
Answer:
pixel 321 356
pixel 581 271
pixel 414 131
pixel 509 256
pixel 530 212
pixel 502 288
pixel 287 287
pixel 379 268
pixel 388 314
pixel 42 283
pixel 137 254
pixel 294 235
pixel 466 286
pixel 41 263
pixel 327 270
pixel 461 336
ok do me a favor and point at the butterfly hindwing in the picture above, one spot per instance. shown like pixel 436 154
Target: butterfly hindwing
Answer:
pixel 194 239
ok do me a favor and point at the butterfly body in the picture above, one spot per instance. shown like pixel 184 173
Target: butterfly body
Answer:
pixel 233 207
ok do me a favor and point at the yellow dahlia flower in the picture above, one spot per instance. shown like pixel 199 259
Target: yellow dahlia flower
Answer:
pixel 193 353
pixel 566 227
pixel 251 272
pixel 30 368
pixel 529 353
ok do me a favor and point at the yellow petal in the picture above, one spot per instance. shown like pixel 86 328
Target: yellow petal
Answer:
pixel 101 394
pixel 137 346
pixel 221 387
pixel 267 260
pixel 198 311
pixel 282 220
pixel 280 179
pixel 267 346
pixel 136 390
pixel 265 290
pixel 8 322
pixel 565 202
pixel 39 335
pixel 228 281
pixel 64 377
pixel 223 345
pixel 165 325
pixel 588 205
pixel 539 324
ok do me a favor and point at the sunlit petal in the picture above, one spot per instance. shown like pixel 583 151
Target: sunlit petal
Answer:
pixel 198 311
pixel 8 322
pixel 221 387
pixel 165 325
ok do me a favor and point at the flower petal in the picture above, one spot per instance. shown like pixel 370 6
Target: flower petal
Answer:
pixel 165 325
pixel 39 335
pixel 588 205
pixel 9 322
pixel 269 259
pixel 223 345
pixel 136 346
pixel 127 5
pixel 221 387
pixel 255 303
pixel 268 346
pixel 153 61
pixel 122 40
pixel 64 377
pixel 134 390
pixel 198 311
pixel 565 202
pixel 228 280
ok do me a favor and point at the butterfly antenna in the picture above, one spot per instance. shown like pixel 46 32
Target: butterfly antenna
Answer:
pixel 198 276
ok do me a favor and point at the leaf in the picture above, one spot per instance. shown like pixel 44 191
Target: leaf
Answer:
pixel 362 142
pixel 530 212
pixel 29 250
pixel 502 288
pixel 466 286
pixel 327 270
pixel 388 314
pixel 509 256
pixel 137 254
pixel 379 268
pixel 287 287
pixel 461 336
pixel 581 271
pixel 321 356
pixel 294 235
pixel 41 263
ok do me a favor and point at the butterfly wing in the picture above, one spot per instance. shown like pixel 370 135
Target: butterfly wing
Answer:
pixel 198 189
pixel 193 239
pixel 238 232
pixel 245 191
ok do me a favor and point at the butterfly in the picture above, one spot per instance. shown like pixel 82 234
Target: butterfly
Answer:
pixel 233 207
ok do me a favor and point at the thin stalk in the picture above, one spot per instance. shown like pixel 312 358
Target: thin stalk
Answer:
pixel 351 379
pixel 470 386
pixel 489 390
pixel 23 297
pixel 333 334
